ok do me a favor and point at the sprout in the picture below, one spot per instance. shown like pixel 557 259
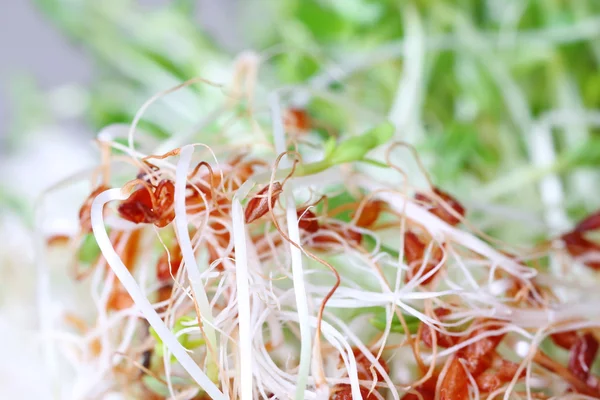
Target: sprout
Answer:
pixel 185 339
pixel 356 148
pixel 328 280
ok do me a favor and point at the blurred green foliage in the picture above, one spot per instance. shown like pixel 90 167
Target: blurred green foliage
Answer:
pixel 488 72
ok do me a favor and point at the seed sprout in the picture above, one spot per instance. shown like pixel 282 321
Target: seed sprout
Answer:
pixel 286 269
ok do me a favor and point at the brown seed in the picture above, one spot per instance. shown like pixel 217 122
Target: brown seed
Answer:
pixel 85 211
pixel 119 299
pixel 590 223
pixel 344 392
pixel 307 220
pixel 150 205
pixel 578 246
pixel 163 270
pixel 440 210
pixel 566 340
pixel 370 213
pixel 414 252
pixel 582 356
pixel 296 119
pixel 324 240
pixel 442 340
pixel 259 204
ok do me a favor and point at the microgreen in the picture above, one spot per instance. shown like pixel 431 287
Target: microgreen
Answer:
pixel 185 339
pixel 356 148
pixel 89 250
pixel 353 149
pixel 507 104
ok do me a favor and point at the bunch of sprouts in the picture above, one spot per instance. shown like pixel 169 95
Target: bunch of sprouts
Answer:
pixel 306 268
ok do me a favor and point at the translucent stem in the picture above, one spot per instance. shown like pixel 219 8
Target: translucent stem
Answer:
pixel 191 267
pixel 129 283
pixel 243 300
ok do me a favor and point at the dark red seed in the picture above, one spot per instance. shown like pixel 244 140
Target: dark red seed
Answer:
pixel 307 221
pixel 440 210
pixel 443 340
pixel 582 356
pixel 259 204
pixel 566 340
pixel 590 223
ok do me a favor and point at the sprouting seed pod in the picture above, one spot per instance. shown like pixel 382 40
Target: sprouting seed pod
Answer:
pixel 590 223
pixel 426 390
pixel 344 392
pixel 442 339
pixel 150 205
pixel 164 271
pixel 582 356
pixel 86 208
pixel 370 213
pixel 307 221
pixel 414 252
pixel 138 207
pixel 455 385
pixel 440 210
pixel 119 299
pixel 297 119
pixel 578 246
pixel 259 204
pixel 566 340
pixel 363 366
pixel 326 239
pixel 491 381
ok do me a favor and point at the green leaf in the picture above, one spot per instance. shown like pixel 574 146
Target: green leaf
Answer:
pixel 329 114
pixel 185 339
pixel 356 148
pixel 89 251
pixel 374 163
pixel 329 147
pixel 160 388
pixel 294 68
pixel 324 23
pixel 155 386
pixel 586 155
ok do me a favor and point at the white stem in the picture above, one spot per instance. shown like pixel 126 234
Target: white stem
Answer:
pixel 441 230
pixel 541 150
pixel 243 300
pixel 191 267
pixel 300 294
pixel 296 254
pixel 138 297
pixel 406 107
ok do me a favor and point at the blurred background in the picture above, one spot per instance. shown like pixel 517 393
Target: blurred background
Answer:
pixel 500 97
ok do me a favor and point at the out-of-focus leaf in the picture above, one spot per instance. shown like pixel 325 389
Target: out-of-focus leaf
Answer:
pixel 323 22
pixel 294 67
pixel 379 322
pixel 184 339
pixel 357 147
pixel 586 155
pixel 461 148
pixel 160 388
pixel 89 251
